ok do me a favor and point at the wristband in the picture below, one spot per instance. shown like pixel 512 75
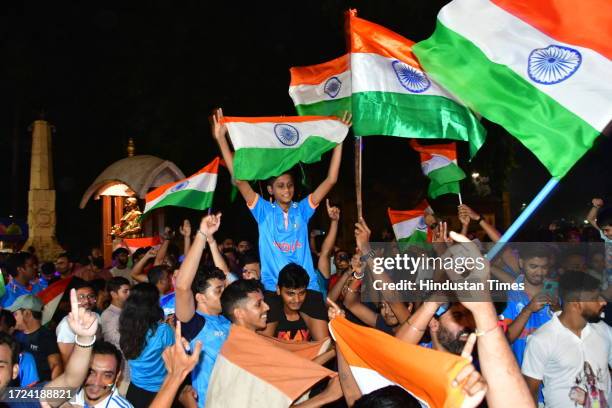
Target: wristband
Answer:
pixel 479 219
pixel 78 343
pixel 203 234
pixel 369 255
pixel 480 333
pixel 359 277
pixel 414 327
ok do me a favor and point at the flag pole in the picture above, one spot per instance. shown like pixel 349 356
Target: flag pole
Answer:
pixel 518 223
pixel 460 199
pixel 358 149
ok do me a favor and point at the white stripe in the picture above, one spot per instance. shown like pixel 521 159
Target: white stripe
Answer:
pixel 408 227
pixel 373 72
pixel 369 380
pixel 262 135
pixel 436 162
pixel 204 182
pixel 50 308
pixel 307 94
pixel 508 40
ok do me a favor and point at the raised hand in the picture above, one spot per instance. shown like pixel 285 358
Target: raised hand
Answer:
pixel 362 236
pixel 332 212
pixel 210 224
pixel 217 127
pixel 597 202
pixel 441 233
pixel 177 361
pixel 185 229
pixel 467 211
pixel 334 310
pixel 347 118
pixel 82 322
pixel 168 234
pixel 472 384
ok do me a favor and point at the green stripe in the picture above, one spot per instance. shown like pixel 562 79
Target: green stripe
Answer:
pixel 260 163
pixel 445 180
pixel 436 189
pixel 417 236
pixel 415 116
pixel 333 107
pixel 554 134
pixel 196 199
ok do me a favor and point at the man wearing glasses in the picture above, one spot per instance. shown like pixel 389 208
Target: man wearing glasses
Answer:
pixel 86 296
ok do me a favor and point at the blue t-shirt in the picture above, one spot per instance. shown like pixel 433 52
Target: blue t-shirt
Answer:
pixel 283 239
pixel 148 370
pixel 28 374
pixel 167 303
pixel 14 289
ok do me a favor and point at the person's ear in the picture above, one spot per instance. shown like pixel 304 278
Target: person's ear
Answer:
pixel 238 314
pixel 278 290
pixel 270 190
pixel 200 298
pixel 15 371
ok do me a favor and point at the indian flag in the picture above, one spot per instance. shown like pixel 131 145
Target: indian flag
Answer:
pixel 322 89
pixel 393 96
pixel 425 373
pixel 539 68
pixel 439 163
pixel 51 297
pixel 409 226
pixel 268 146
pixel 257 372
pixel 135 243
pixel 194 192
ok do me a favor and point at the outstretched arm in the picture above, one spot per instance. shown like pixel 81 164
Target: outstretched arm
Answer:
pixel 329 242
pixel 185 231
pixel 137 272
pixel 219 132
pixel 490 230
pixel 592 215
pixel 218 259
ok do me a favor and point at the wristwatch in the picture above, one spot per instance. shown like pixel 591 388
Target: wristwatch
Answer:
pixel 480 218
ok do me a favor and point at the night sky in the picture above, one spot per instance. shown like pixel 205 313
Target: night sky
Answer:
pixel 154 70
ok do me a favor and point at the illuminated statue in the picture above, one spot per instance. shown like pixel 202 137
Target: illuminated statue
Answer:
pixel 129 225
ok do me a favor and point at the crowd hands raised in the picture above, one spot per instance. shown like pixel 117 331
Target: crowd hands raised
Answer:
pixel 149 331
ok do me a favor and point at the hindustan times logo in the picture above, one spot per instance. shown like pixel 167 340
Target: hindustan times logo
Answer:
pixel 413 264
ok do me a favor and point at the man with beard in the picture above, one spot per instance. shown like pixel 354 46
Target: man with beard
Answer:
pixel 100 388
pixel 528 309
pixel 557 353
pixel 22 267
pixel 120 258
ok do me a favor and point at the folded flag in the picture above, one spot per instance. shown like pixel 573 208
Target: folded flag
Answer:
pixel 134 243
pixel 439 163
pixel 409 226
pixel 427 374
pixel 252 371
pixel 392 96
pixel 268 146
pixel 51 297
pixel 194 192
pixel 539 68
pixel 322 89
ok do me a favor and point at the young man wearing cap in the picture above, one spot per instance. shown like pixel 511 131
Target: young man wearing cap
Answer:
pixel 36 339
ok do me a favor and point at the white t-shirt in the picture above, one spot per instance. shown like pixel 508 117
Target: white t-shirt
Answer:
pixel 125 272
pixel 572 368
pixel 114 400
pixel 64 333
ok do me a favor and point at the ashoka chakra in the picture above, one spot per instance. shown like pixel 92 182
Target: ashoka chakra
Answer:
pixel 553 64
pixel 411 78
pixel 286 134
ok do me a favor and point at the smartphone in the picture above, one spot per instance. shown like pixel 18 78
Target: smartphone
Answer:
pixel 551 288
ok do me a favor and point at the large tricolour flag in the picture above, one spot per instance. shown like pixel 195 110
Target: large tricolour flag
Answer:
pixel 392 95
pixel 268 146
pixel 51 297
pixel 377 360
pixel 256 372
pixel 439 163
pixel 135 243
pixel 194 192
pixel 322 89
pixel 409 226
pixel 540 68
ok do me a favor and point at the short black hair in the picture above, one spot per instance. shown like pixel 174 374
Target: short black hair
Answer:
pixel 533 250
pixel 140 252
pixel 236 293
pixel 205 274
pixel 391 396
pixel 98 262
pixel 120 251
pixel 65 255
pixel 604 218
pixel 574 283
pixel 12 345
pixel 157 272
pixel 47 268
pixel 293 276
pixel 80 284
pixel 16 261
pixel 270 181
pixel 8 318
pixel 249 257
pixel 115 283
pixel 106 348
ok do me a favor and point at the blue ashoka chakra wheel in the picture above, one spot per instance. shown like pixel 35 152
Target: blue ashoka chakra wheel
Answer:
pixel 180 186
pixel 412 79
pixel 332 87
pixel 421 226
pixel 286 134
pixel 553 64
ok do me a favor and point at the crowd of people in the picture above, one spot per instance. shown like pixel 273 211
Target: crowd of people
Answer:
pixel 147 330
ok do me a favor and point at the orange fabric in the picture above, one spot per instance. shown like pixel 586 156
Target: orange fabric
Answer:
pixel 586 23
pixel 448 150
pixel 426 373
pixel 305 349
pixel 291 374
pixel 397 216
pixel 277 119
pixel 212 167
pixel 373 38
pixel 315 74
pixel 135 243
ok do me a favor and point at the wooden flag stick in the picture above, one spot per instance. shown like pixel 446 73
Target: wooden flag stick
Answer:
pixel 358 149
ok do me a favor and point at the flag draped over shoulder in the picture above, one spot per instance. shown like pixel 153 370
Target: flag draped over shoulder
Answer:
pixel 377 360
pixel 194 192
pixel 439 163
pixel 268 146
pixel 393 96
pixel 542 69
pixel 256 372
pixel 322 89
pixel 51 297
pixel 409 226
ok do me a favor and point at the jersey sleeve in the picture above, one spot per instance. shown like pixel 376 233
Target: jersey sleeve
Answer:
pixel 534 360
pixel 307 207
pixel 259 208
pixel 191 328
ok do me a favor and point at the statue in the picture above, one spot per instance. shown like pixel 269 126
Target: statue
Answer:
pixel 129 225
